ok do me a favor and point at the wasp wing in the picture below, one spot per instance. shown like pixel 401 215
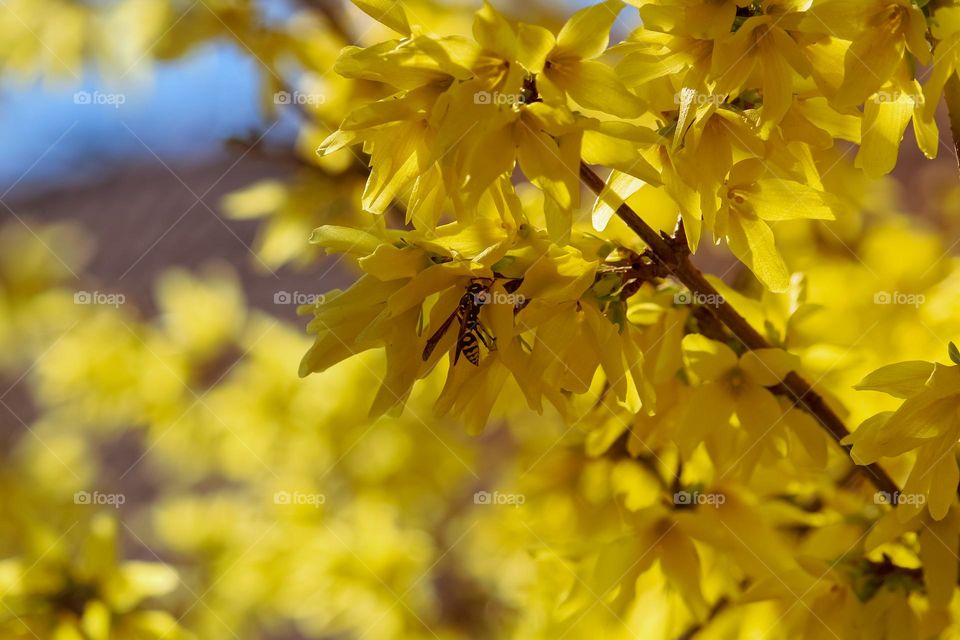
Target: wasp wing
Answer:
pixel 439 333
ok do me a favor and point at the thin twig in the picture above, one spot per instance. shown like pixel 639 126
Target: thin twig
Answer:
pixel 718 607
pixel 676 260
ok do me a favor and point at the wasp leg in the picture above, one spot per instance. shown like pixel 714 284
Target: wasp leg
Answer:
pixel 488 340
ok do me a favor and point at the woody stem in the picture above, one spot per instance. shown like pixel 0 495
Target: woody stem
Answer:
pixel 675 258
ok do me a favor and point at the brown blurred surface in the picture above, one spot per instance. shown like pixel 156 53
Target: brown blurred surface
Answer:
pixel 149 217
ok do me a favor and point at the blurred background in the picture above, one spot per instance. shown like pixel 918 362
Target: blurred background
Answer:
pixel 165 473
pixel 156 198
pixel 138 149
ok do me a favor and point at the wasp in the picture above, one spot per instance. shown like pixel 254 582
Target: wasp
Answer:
pixel 472 332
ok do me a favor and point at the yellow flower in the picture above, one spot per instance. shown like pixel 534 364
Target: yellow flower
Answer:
pixel 648 55
pixel 686 535
pixel 945 30
pixel 287 213
pixel 748 202
pixel 386 307
pixel 885 118
pixel 731 386
pixel 881 31
pixel 570 69
pixel 84 591
pixel 937 539
pixel 705 20
pixel 927 422
pixel 466 113
pixel 762 44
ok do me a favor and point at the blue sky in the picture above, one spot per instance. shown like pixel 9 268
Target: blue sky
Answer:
pixel 184 109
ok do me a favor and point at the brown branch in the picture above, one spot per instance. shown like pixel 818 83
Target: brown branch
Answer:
pixel 718 607
pixel 676 260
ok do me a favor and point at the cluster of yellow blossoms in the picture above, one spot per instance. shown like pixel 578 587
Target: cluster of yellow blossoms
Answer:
pixel 521 420
pixel 727 117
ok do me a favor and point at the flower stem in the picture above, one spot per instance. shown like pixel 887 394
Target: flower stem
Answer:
pixel 673 255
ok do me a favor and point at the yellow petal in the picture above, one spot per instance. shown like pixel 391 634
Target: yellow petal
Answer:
pixel 707 359
pixel 809 433
pixel 944 66
pixel 925 129
pixel 681 566
pixel 752 241
pixel 404 361
pixel 695 424
pixel 707 20
pixel 777 83
pixel 345 240
pixel 587 32
pixel 96 621
pixel 915 33
pixel 397 159
pixel 486 157
pixel 900 380
pixel 536 43
pixel 617 190
pixel 886 529
pixel 429 281
pixel 687 201
pixel 869 62
pixel 552 167
pixel 386 12
pixel 938 555
pixel 776 199
pixel 595 85
pixel 608 149
pixel 768 367
pixel 392 263
pixel 758 411
pixel 637 69
pixel 884 122
pixel 559 221
pixel 922 416
pixel 734 60
pixel 492 32
pixel 746 172
pixel 944 479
